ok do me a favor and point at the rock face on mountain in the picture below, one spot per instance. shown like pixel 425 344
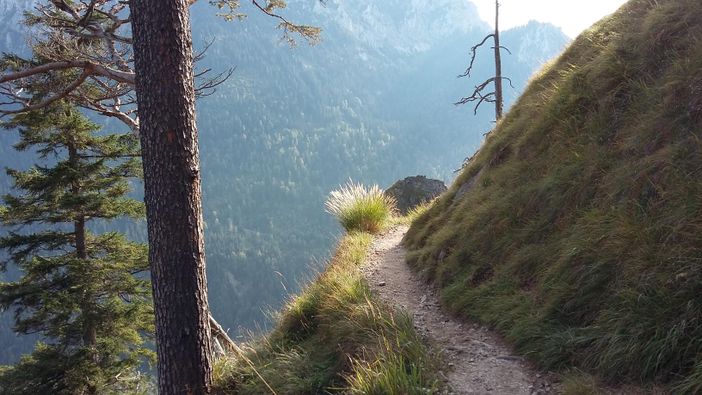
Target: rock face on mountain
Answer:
pixel 12 34
pixel 413 191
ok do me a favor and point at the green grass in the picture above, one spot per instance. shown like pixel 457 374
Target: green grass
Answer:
pixel 334 337
pixel 581 239
pixel 360 208
pixel 412 214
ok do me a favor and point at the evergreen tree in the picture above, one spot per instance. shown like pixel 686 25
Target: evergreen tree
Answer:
pixel 87 295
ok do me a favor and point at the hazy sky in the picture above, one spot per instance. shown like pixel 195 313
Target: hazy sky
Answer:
pixel 571 15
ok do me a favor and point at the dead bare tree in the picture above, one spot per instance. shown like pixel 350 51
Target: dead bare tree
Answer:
pixel 479 94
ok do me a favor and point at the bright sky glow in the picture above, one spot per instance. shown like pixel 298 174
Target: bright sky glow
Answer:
pixel 570 15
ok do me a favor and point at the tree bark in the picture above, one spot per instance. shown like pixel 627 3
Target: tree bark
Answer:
pixel 166 99
pixel 498 65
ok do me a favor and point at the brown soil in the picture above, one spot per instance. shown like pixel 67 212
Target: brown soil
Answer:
pixel 477 360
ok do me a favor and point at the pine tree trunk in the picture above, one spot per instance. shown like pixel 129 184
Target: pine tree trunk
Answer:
pixel 498 65
pixel 89 330
pixel 87 310
pixel 165 93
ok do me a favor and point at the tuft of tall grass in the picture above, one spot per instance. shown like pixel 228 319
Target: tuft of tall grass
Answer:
pixel 392 372
pixel 360 208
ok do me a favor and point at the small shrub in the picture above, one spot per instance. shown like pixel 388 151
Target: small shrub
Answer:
pixel 359 208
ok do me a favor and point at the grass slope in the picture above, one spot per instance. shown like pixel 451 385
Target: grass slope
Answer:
pixel 577 228
pixel 335 337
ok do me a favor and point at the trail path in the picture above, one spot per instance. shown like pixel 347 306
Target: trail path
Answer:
pixel 478 362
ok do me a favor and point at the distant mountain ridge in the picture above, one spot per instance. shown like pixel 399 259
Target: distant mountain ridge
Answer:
pixel 408 27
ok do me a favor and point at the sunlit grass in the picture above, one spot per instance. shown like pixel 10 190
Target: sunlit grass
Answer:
pixel 391 372
pixel 360 208
pixel 335 336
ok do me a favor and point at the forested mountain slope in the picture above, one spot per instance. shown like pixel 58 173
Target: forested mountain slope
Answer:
pixel 372 101
pixel 576 228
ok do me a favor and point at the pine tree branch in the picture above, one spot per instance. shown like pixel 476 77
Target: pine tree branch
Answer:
pixel 89 67
pixel 45 103
pixel 310 33
pixel 82 38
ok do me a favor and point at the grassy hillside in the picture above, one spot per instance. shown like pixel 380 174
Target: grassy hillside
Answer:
pixel 577 229
pixel 335 337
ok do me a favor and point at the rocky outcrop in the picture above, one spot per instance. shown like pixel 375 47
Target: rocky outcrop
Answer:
pixel 413 191
pixel 467 186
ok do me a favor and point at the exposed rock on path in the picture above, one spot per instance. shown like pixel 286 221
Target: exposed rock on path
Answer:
pixel 478 361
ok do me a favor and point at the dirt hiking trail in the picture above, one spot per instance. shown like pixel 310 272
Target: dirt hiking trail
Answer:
pixel 477 361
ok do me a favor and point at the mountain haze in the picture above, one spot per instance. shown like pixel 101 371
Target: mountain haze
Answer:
pixel 372 102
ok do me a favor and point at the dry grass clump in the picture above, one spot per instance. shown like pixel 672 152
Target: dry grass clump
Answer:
pixel 360 208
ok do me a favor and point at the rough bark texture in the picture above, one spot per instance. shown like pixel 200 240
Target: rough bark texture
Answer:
pixel 165 93
pixel 498 65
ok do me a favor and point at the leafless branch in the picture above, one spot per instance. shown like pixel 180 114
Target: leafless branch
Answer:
pixel 219 333
pixel 505 48
pixel 200 54
pixel 478 96
pixel 473 53
pixel 481 97
pixel 208 86
pixel 132 123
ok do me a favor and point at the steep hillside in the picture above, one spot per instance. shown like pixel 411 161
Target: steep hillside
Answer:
pixel 576 230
